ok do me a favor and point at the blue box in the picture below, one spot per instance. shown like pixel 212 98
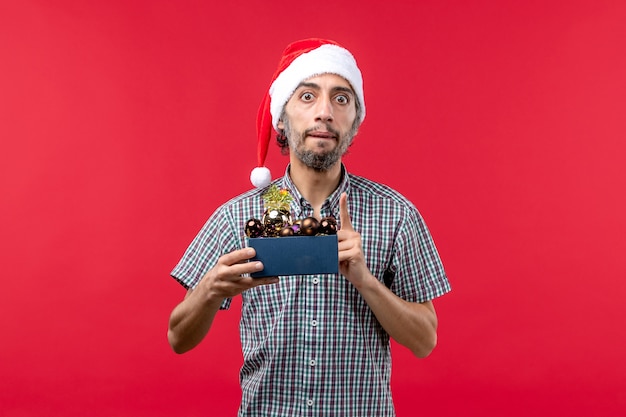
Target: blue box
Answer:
pixel 295 255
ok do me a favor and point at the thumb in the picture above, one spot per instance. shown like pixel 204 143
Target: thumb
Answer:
pixel 344 216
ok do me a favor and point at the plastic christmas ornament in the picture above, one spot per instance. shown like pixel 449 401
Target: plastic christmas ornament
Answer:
pixel 277 210
pixel 286 231
pixel 274 221
pixel 309 226
pixel 254 228
pixel 296 226
pixel 328 226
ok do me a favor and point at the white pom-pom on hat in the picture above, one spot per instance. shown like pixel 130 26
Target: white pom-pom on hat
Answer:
pixel 260 177
pixel 301 60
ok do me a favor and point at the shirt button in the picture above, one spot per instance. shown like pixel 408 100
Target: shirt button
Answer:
pixel 313 323
pixel 316 281
pixel 312 362
pixel 309 402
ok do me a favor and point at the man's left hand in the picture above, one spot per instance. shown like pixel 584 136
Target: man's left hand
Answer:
pixel 351 259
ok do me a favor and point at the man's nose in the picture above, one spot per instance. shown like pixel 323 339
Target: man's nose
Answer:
pixel 324 110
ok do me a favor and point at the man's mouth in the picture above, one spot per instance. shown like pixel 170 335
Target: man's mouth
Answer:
pixel 320 134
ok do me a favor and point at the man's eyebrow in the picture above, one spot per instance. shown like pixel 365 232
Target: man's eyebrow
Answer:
pixel 308 85
pixel 316 86
pixel 344 89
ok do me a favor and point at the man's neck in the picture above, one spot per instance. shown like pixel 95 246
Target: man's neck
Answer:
pixel 315 186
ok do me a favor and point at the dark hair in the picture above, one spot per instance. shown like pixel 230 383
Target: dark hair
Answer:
pixel 283 141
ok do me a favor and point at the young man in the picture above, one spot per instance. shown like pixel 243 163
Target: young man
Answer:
pixel 316 345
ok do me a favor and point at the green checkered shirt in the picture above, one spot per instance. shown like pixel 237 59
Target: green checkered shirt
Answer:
pixel 311 345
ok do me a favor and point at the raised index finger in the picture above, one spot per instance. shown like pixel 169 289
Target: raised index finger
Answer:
pixel 344 216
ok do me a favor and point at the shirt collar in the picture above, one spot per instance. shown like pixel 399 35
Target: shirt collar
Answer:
pixel 331 205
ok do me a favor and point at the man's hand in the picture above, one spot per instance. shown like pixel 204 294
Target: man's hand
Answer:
pixel 226 279
pixel 191 320
pixel 413 325
pixel 351 260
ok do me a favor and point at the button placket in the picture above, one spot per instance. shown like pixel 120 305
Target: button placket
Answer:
pixel 311 299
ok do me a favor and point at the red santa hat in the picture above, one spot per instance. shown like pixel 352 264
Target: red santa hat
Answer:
pixel 301 60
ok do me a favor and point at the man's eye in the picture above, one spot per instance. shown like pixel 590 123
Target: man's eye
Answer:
pixel 307 96
pixel 342 99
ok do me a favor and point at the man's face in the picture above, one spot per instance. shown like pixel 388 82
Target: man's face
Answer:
pixel 319 120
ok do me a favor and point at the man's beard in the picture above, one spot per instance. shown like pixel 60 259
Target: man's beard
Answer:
pixel 318 161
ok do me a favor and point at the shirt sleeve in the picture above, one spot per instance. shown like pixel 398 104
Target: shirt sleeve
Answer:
pixel 214 239
pixel 419 275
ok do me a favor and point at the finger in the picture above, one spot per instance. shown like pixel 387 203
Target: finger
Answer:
pixel 265 281
pixel 245 268
pixel 234 265
pixel 237 256
pixel 344 216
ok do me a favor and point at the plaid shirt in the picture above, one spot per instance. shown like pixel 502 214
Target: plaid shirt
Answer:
pixel 311 345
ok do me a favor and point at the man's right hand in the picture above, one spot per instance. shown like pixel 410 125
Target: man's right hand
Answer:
pixel 191 320
pixel 230 276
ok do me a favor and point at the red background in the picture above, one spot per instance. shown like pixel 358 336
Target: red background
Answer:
pixel 124 124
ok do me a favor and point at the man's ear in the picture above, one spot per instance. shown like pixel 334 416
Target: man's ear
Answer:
pixel 280 125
